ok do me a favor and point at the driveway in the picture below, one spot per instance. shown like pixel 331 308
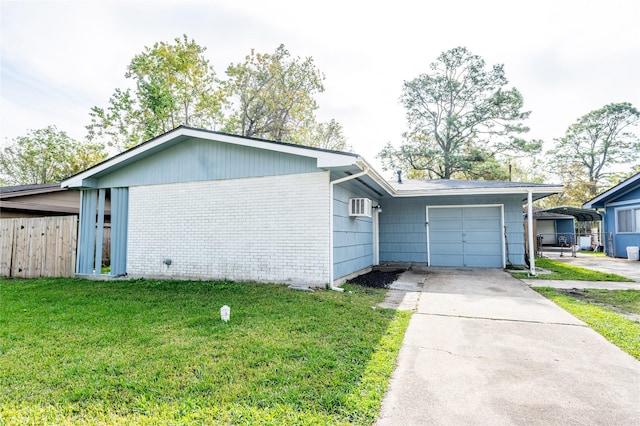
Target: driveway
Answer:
pixel 485 349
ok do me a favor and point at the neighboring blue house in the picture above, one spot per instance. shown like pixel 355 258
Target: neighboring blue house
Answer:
pixel 621 205
pixel 205 205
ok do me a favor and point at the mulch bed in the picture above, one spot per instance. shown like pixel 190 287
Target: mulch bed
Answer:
pixel 376 279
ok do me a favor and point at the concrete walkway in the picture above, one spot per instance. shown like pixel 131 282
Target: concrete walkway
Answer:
pixel 569 284
pixel 627 268
pixel 485 349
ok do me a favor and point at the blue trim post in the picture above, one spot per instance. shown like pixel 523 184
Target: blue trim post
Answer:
pixel 87 234
pixel 119 225
pixel 99 232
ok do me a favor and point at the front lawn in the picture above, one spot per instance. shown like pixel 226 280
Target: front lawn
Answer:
pixel 156 352
pixel 563 271
pixel 605 311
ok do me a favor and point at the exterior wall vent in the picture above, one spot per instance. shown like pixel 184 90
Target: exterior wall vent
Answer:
pixel 360 207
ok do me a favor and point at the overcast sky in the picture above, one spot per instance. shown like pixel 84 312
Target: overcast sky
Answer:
pixel 60 58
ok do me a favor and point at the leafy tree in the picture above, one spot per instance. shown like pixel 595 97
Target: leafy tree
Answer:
pixel 46 155
pixel 174 85
pixel 273 98
pixel 461 116
pixel 596 142
pixel 327 135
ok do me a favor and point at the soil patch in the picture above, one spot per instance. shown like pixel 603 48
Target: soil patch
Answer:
pixel 376 278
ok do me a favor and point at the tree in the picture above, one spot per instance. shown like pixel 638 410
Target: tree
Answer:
pixel 326 135
pixel 596 142
pixel 461 117
pixel 174 85
pixel 46 155
pixel 273 98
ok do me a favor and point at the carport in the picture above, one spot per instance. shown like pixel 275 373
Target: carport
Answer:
pixel 583 216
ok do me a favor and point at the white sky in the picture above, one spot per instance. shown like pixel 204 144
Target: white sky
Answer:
pixel 60 58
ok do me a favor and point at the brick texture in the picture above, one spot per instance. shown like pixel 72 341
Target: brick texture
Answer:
pixel 265 229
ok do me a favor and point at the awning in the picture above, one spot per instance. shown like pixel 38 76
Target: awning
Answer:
pixel 581 215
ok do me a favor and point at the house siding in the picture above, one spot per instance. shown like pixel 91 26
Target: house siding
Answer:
pixel 267 229
pixel 403 233
pixel 620 240
pixel 201 160
pixel 633 196
pixel 566 228
pixel 352 236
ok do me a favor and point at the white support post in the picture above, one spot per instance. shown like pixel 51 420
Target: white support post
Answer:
pixel 532 257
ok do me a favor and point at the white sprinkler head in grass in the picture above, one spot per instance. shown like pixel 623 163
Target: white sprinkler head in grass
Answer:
pixel 225 313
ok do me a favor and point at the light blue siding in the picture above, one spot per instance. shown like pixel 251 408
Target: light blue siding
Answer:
pixel 197 160
pixel 87 233
pixel 352 236
pixel 403 233
pixel 119 226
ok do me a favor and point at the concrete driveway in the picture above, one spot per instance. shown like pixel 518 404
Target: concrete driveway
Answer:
pixel 485 349
pixel 626 268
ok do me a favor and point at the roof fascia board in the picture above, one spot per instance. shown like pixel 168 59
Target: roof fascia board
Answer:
pixel 595 202
pixel 479 191
pixel 31 192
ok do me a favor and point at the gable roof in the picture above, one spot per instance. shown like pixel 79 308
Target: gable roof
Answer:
pixel 340 164
pixel 611 194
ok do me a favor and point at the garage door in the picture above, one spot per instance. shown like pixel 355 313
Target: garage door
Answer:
pixel 465 236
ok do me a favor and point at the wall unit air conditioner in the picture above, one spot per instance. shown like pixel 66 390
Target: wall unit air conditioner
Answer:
pixel 360 207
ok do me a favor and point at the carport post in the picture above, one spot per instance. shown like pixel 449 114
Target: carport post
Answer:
pixel 532 260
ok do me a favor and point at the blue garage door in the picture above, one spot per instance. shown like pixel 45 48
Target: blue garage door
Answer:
pixel 465 236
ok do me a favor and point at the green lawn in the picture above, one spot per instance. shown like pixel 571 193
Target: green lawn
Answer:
pixel 603 310
pixel 156 352
pixel 593 253
pixel 563 271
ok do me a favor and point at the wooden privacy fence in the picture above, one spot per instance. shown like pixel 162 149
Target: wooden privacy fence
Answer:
pixel 38 247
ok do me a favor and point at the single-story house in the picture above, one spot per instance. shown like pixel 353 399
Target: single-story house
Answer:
pixel 48 199
pixel 621 208
pixel 200 204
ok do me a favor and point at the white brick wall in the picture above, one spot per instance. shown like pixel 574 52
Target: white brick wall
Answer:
pixel 266 229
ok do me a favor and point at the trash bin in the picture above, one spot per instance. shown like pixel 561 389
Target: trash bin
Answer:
pixel 633 252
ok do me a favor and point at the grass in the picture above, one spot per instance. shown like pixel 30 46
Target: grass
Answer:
pixel 156 352
pixel 593 253
pixel 563 271
pixel 615 327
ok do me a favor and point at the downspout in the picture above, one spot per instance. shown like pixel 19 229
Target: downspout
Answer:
pixel 532 261
pixel 344 179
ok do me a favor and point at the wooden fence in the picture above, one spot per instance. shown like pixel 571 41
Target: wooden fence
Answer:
pixel 38 247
